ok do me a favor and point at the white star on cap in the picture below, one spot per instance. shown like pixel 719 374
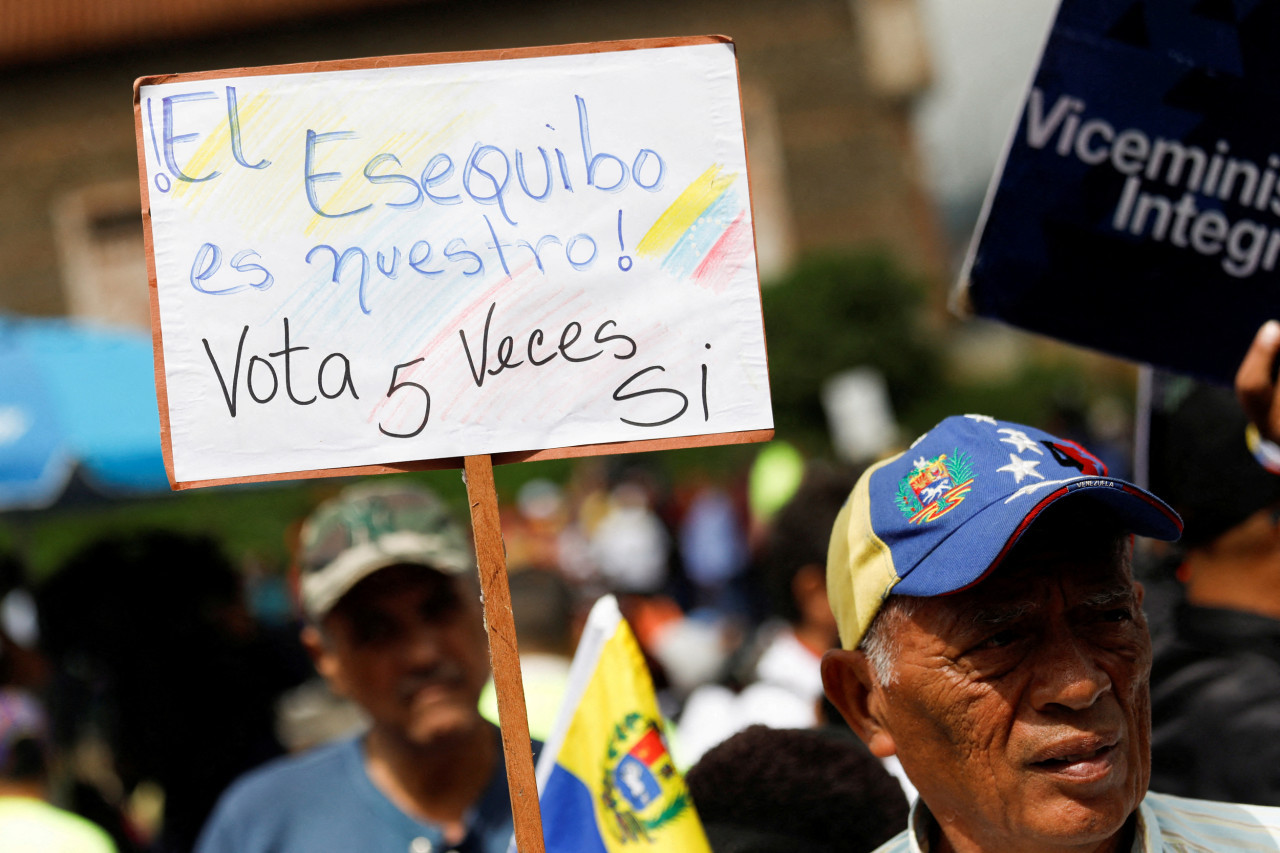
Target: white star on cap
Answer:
pixel 1019 439
pixel 921 463
pixel 1020 468
pixel 982 419
pixel 1033 488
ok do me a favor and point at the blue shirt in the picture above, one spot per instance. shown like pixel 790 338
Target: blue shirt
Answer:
pixel 1166 824
pixel 324 802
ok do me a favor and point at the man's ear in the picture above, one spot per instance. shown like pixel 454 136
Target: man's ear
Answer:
pixel 851 685
pixel 324 659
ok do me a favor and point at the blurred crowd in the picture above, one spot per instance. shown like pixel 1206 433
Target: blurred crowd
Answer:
pixel 150 670
pixel 164 670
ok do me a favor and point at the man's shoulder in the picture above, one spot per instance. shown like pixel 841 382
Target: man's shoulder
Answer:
pixel 289 803
pixel 1201 633
pixel 318 767
pixel 1184 823
pixel 292 784
pixel 1209 677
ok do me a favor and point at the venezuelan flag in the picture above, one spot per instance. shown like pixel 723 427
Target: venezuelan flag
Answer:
pixel 606 778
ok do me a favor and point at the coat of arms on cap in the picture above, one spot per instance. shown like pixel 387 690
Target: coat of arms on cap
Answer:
pixel 935 486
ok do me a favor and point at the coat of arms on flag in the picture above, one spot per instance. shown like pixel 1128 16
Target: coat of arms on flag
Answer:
pixel 606 779
pixel 638 787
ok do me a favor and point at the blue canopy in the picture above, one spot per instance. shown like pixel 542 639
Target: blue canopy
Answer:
pixel 75 397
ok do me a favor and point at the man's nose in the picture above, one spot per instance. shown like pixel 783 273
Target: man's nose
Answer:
pixel 1068 674
pixel 421 643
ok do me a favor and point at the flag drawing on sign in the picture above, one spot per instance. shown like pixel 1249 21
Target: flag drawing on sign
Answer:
pixel 606 779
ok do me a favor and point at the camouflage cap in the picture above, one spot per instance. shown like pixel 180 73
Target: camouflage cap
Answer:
pixel 368 527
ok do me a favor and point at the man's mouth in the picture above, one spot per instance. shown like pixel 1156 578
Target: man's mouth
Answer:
pixel 1082 758
pixel 443 682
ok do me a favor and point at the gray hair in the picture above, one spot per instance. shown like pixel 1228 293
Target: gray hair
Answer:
pixel 880 643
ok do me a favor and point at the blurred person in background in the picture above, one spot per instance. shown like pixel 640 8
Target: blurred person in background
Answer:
pixel 630 545
pixel 778 680
pixel 163 685
pixel 29 822
pixel 713 552
pixel 625 547
pixel 532 526
pixel 391 595
pixel 22 663
pixel 1216 666
pixel 783 790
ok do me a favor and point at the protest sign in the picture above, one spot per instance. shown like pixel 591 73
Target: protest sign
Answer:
pixel 1137 210
pixel 373 265
pixel 359 265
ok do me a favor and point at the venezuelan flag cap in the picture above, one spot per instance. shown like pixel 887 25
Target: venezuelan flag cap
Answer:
pixel 939 517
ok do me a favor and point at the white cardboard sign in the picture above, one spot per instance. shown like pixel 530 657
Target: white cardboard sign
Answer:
pixel 429 257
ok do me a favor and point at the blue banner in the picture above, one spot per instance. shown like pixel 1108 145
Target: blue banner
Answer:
pixel 1138 208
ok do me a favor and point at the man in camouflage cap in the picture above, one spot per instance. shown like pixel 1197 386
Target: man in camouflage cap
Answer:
pixel 388 586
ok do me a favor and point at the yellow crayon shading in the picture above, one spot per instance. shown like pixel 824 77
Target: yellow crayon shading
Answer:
pixel 685 210
pixel 409 148
pixel 214 143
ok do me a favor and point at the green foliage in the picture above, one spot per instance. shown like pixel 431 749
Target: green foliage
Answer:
pixel 1036 393
pixel 837 311
pixel 248 520
pixel 251 521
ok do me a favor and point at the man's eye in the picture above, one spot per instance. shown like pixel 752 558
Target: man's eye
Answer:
pixel 439 607
pixel 1119 614
pixel 998 640
pixel 375 631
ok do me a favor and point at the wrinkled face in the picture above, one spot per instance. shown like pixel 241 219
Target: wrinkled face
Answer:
pixel 1020 707
pixel 407 643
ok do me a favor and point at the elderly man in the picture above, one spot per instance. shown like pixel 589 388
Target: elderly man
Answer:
pixel 993 639
pixel 394 624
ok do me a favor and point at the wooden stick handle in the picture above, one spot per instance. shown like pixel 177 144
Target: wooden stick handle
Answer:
pixel 504 656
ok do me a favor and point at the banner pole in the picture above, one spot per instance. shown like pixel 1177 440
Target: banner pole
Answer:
pixel 504 656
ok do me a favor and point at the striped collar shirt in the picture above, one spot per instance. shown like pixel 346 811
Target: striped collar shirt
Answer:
pixel 1166 824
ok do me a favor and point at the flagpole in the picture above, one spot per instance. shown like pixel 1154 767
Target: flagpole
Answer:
pixel 504 656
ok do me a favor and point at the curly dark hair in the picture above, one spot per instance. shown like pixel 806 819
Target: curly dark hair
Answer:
pixel 781 790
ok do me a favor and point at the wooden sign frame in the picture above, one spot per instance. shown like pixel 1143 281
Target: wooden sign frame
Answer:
pixel 532 454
